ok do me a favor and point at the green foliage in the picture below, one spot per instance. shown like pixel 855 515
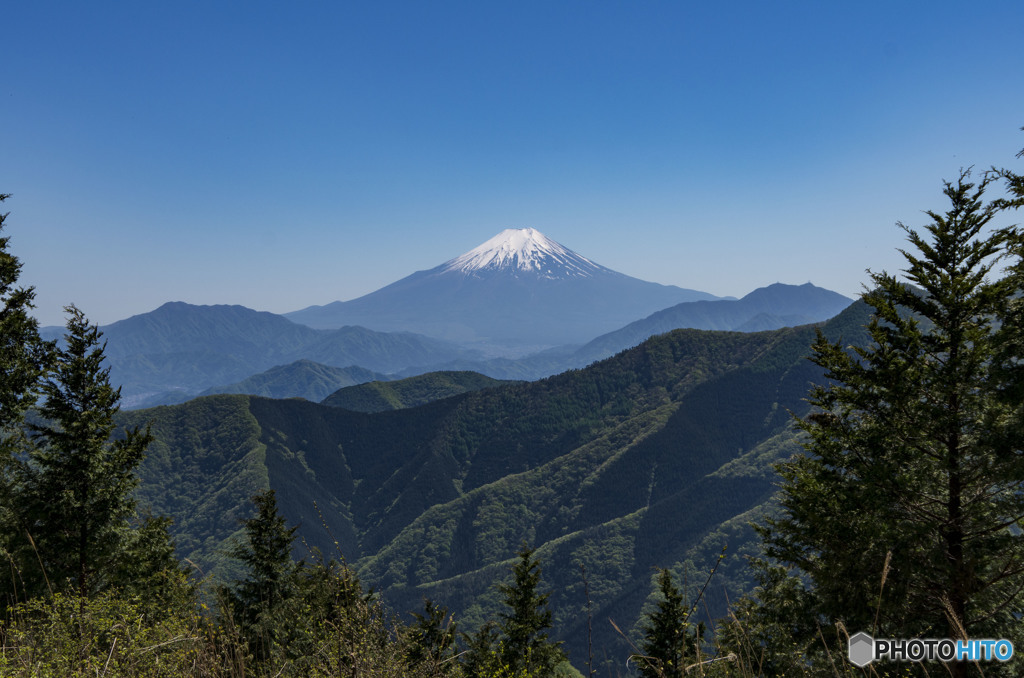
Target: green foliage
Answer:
pixel 902 518
pixel 1014 186
pixel 113 634
pixel 23 359
pixel 774 631
pixel 312 619
pixel 23 356
pixel 204 465
pixel 266 556
pixel 481 656
pixel 380 396
pixel 106 634
pixel 524 644
pixel 75 489
pixel 667 634
pixel 327 625
pixel 432 642
pixel 149 571
pixel 518 646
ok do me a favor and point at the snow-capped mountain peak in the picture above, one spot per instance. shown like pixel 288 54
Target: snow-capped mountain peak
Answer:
pixel 523 249
pixel 519 291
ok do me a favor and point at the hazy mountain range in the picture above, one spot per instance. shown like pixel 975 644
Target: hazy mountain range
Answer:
pixel 519 291
pixel 767 308
pixel 301 379
pixel 186 349
pixel 381 396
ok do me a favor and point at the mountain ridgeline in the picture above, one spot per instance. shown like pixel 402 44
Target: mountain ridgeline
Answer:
pixel 516 293
pixel 186 349
pixel 179 351
pixel 513 304
pixel 380 396
pixel 300 379
pixel 658 456
pixel 766 308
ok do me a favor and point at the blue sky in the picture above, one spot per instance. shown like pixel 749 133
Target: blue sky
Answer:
pixel 278 155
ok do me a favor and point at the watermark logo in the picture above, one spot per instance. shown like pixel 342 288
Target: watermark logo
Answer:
pixel 864 649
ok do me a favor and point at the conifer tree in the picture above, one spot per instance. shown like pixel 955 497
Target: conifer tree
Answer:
pixel 149 570
pixel 23 358
pixel 525 644
pixel 1014 186
pixel 665 633
pixel 904 514
pixel 266 555
pixel 431 641
pixel 76 489
pixel 1010 339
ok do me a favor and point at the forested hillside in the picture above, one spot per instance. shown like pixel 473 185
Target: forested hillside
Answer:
pixel 300 379
pixel 378 396
pixel 655 457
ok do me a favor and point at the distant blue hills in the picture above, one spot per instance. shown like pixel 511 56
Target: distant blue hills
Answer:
pixel 517 293
pixel 184 349
pixel 519 306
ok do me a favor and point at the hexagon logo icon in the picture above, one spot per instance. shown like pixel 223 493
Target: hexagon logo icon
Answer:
pixel 862 649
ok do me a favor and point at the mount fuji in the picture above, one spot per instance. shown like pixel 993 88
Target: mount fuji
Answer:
pixel 518 292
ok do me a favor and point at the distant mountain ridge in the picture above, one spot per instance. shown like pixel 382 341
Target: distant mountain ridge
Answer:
pixel 301 379
pixel 381 396
pixel 519 291
pixel 530 306
pixel 179 350
pixel 186 348
pixel 767 308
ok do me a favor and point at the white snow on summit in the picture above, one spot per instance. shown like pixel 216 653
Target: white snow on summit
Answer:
pixel 524 249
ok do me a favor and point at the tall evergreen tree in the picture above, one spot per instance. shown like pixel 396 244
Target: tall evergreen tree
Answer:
pixel 1010 345
pixel 666 633
pixel 914 471
pixel 266 555
pixel 23 357
pixel 76 489
pixel 525 645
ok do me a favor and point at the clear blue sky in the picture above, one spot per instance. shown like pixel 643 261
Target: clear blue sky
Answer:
pixel 279 155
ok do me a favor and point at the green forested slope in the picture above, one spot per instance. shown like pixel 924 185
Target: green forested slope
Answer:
pixel 379 395
pixel 300 379
pixel 205 460
pixel 655 457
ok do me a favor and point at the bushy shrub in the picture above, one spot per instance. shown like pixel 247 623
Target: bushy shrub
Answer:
pixel 65 635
